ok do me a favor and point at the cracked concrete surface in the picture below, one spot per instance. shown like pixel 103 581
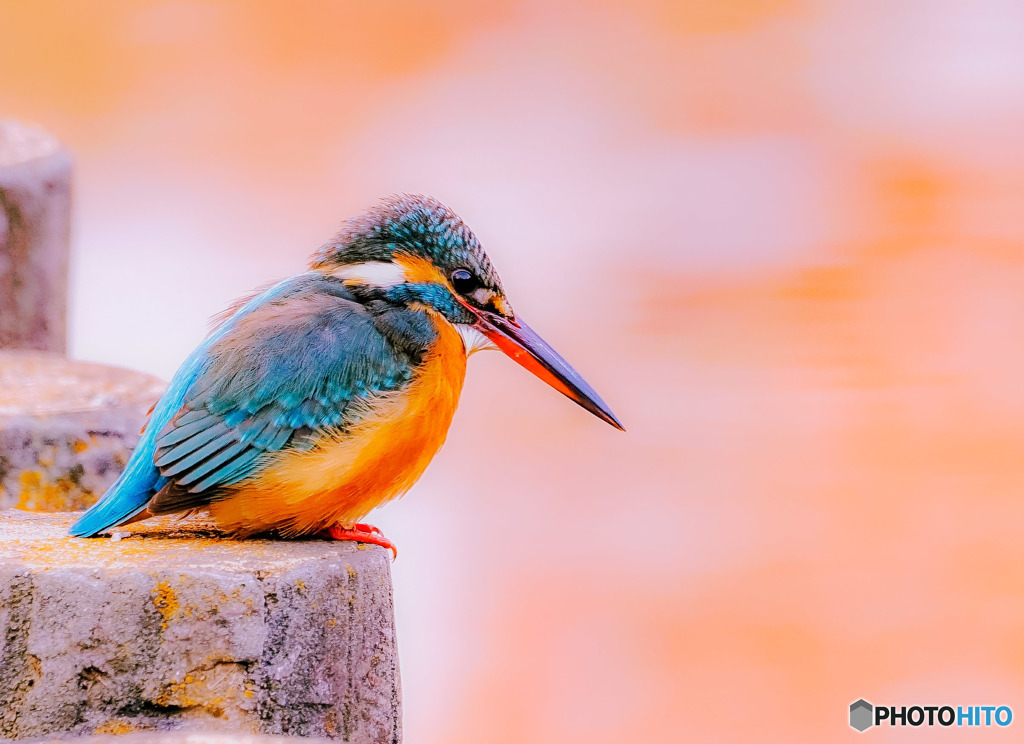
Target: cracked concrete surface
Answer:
pixel 176 627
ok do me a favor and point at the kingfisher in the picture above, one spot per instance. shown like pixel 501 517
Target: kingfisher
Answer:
pixel 326 395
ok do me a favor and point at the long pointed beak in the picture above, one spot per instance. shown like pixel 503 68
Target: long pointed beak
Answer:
pixel 523 345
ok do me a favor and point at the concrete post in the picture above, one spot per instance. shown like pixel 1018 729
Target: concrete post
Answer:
pixel 176 628
pixel 66 428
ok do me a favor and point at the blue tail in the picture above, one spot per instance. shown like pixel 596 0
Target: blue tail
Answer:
pixel 127 497
pixel 140 480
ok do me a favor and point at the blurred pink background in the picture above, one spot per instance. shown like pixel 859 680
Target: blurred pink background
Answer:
pixel 784 240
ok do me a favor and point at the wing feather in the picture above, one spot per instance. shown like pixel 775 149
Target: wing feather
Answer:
pixel 165 455
pixel 210 464
pixel 283 371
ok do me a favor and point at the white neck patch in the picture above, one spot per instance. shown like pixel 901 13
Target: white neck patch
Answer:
pixel 381 274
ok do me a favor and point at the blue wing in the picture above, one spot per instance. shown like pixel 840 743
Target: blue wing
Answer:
pixel 291 361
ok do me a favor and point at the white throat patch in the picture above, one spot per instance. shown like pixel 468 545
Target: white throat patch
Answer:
pixel 473 340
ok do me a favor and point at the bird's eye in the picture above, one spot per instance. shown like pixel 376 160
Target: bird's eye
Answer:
pixel 463 281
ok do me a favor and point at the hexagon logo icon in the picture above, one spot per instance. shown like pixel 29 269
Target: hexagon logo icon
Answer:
pixel 861 715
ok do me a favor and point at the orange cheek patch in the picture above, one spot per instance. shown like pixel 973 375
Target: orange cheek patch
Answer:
pixel 421 271
pixel 502 306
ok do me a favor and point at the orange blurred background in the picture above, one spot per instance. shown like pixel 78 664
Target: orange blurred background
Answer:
pixel 784 240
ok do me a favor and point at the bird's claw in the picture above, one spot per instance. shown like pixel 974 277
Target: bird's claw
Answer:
pixel 359 532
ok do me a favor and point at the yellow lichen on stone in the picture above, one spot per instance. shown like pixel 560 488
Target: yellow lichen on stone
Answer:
pixel 165 601
pixel 220 691
pixel 78 446
pixel 115 726
pixel 176 694
pixel 30 483
pixel 351 572
pixel 38 493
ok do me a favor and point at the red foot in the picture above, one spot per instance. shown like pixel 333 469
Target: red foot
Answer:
pixel 364 533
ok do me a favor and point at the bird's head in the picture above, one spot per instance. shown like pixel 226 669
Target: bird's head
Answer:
pixel 414 250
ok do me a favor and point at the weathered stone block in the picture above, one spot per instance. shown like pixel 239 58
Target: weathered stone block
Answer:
pixel 66 428
pixel 173 626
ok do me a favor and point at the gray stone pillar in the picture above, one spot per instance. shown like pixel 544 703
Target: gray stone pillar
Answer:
pixel 66 428
pixel 176 628
pixel 35 229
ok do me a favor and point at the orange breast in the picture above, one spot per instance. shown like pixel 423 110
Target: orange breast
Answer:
pixel 347 474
